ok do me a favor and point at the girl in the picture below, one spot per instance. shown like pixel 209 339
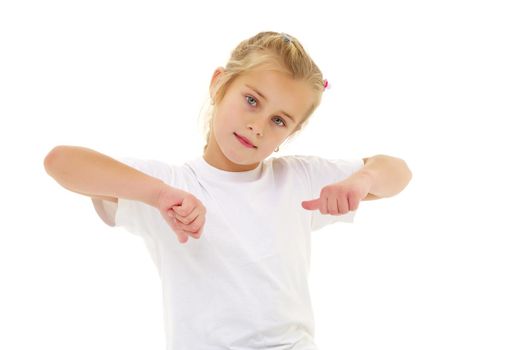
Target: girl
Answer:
pixel 241 282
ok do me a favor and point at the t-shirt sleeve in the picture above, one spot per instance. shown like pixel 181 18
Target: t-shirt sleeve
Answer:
pixel 321 172
pixel 136 217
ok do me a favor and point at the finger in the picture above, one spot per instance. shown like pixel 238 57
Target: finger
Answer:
pixel 177 209
pixel 186 234
pixel 183 235
pixel 177 228
pixel 354 203
pixel 195 226
pixel 342 204
pixel 180 227
pixel 311 204
pixel 186 206
pixel 201 224
pixel 323 201
pixel 183 238
pixel 202 228
pixel 187 219
pixel 332 205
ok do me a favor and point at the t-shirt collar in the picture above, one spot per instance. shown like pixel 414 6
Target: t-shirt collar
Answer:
pixel 205 170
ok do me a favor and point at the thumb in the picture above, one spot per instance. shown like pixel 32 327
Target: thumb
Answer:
pixel 182 209
pixel 312 204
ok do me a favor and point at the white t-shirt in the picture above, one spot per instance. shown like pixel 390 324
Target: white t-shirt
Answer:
pixel 244 283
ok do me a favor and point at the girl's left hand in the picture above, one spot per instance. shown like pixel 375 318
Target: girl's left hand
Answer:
pixel 341 197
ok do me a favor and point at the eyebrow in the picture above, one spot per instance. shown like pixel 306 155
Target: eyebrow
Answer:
pixel 264 97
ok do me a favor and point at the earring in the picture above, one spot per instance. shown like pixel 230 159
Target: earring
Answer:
pixel 277 150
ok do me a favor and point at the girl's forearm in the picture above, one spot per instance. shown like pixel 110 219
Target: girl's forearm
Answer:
pixel 92 173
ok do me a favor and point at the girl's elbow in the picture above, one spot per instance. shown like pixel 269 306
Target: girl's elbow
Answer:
pixel 51 158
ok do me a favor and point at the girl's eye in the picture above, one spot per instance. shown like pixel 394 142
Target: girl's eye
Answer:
pixel 281 119
pixel 251 98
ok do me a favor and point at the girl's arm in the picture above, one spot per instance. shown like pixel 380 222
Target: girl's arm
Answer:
pixel 94 174
pixel 382 176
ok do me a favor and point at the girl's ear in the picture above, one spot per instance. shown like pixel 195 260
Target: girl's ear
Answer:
pixel 215 77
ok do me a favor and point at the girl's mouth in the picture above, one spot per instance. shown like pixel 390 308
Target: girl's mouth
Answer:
pixel 244 141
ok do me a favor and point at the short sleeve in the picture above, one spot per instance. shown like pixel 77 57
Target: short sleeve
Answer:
pixel 321 172
pixel 136 217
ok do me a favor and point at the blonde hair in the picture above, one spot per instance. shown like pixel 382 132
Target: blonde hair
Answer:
pixel 278 50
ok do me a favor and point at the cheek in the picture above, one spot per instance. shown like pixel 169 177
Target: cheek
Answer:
pixel 232 111
pixel 238 109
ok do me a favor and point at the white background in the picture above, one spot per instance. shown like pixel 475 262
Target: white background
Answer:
pixel 439 84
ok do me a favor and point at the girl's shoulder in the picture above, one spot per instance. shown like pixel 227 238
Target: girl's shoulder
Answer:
pixel 317 166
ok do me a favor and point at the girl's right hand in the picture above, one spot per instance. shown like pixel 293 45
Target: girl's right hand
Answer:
pixel 182 211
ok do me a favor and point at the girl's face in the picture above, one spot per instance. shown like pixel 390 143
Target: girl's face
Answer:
pixel 263 106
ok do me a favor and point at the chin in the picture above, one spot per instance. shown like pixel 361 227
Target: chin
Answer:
pixel 232 156
pixel 242 160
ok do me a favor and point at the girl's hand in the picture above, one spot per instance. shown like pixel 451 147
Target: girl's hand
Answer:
pixel 182 211
pixel 341 197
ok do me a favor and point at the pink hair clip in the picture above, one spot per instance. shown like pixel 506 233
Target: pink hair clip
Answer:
pixel 325 84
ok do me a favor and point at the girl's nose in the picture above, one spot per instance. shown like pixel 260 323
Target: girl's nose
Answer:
pixel 256 127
